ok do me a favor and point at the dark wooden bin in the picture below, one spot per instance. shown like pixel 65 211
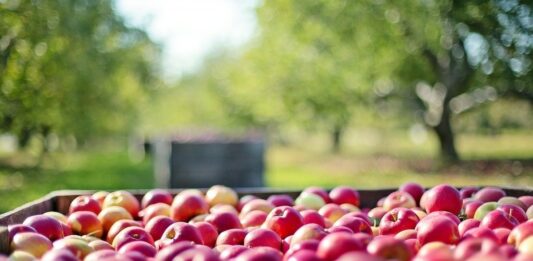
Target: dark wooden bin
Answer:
pixel 60 201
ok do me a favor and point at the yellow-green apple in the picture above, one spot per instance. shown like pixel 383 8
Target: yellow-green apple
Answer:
pixel 398 199
pixel 389 248
pixel 85 223
pixel 414 189
pixel 100 197
pixel 284 220
pixel 309 201
pixel 157 226
pixel 489 194
pixel 156 196
pixel 224 221
pixel 468 191
pixel 125 199
pixel 131 234
pixel 520 233
pixel 19 255
pixel 187 205
pixel 221 195
pixel 335 245
pixel 254 218
pixel 318 191
pixel 498 218
pixel 85 203
pixel 79 247
pixel 466 225
pixel 484 209
pixel 119 226
pixel 256 204
pixel 181 231
pixel 145 248
pixel 480 232
pixel 154 210
pixel 310 216
pixel 110 215
pixel 469 247
pixel 208 232
pixel 526 246
pixel 529 212
pixel 18 228
pixel 345 194
pixel 397 220
pixel 438 228
pixel 34 243
pixel 59 255
pixel 515 211
pixel 46 226
pixel 233 236
pixel 443 198
pixel 307 232
pixel 512 201
pixel 279 200
pixel 356 224
pixel 332 212
pixel 262 237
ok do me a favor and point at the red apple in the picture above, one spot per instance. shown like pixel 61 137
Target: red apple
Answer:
pixel 105 254
pixel 446 214
pixel 397 220
pixel 472 246
pixel 406 234
pixel 58 255
pixel 156 196
pixel 85 223
pixel 245 199
pixel 145 248
pixel 480 232
pixel 232 252
pixel 527 200
pixel 344 194
pixel 515 211
pixel 46 226
pixel 358 255
pixel 470 208
pixel 157 226
pixel 520 233
pixel 498 218
pixel 79 247
pixel 355 224
pixel 311 216
pixel 224 221
pixel 360 215
pixel 254 218
pixel 339 229
pixel 434 251
pixel 181 231
pixel 34 243
pixel 119 226
pixel 233 236
pixel 208 232
pixel 153 210
pixel 221 195
pixel 307 232
pixel 131 234
pixel 508 251
pixel 512 201
pixel 171 251
pixel 484 209
pixel 399 199
pixel 281 200
pixel 263 237
pixel 304 255
pixel 311 245
pixel 85 203
pixel 443 197
pixel 489 194
pixel 318 191
pixel 467 192
pixel 100 197
pixel 18 228
pixel 198 252
pixel 337 244
pixel 284 221
pixel 223 208
pixel 441 229
pixel 257 204
pixel 125 199
pixel 414 189
pixel 100 244
pixel 260 254
pixel 467 224
pixel 389 248
pixel 188 205
pixel 110 215
pixel 332 212
pixel 502 234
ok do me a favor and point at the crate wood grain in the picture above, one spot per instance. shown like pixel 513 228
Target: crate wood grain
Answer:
pixel 60 201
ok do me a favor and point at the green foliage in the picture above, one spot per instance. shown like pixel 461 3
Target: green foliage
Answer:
pixel 72 68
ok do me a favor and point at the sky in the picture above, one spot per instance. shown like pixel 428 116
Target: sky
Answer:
pixel 189 29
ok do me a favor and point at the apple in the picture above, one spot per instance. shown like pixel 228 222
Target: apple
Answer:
pixel 512 201
pixel 100 197
pixel 339 229
pixel 490 194
pixel 56 215
pixel 397 220
pixel 208 232
pixel 145 248
pixel 46 226
pixel 502 234
pixel 156 196
pixel 262 237
pixel 480 232
pixel 360 215
pixel 18 228
pixel 335 245
pixel 414 189
pixel 320 192
pixel 79 247
pixel 472 246
pixel 280 200
pixel 119 226
pixel 527 200
pixel 468 191
pixel 438 228
pixel 85 223
pixel 515 211
pixel 110 215
pixel 171 251
pixel 131 234
pixel 310 216
pixel 344 194
pixel 332 212
pixel 307 232
pixel 381 200
pixel 59 255
pixel 284 221
pixel 221 195
pixel 389 248
pixel 406 234
pixel 484 209
pixel 181 231
pixel 233 236
pixel 304 255
pixel 232 252
pixel 470 208
pixel 443 198
pixel 260 254
pixel 467 224
pixel 311 244
pixel 19 255
pixel 446 214
pixel 198 252
pixel 309 201
pixel 34 243
pixel 358 255
pixel 100 244
pixel 245 199
pixel 498 218
pixel 257 204
pixel 85 203
pixel 187 205
pixel 520 233
pixel 157 225
pixel 420 213
pixel 153 210
pixel 224 221
pixel 105 254
pixel 125 199
pixel 223 208
pixel 254 218
pixel 529 212
pixel 434 251
pixel 355 224
pixel 508 251
pixel 526 246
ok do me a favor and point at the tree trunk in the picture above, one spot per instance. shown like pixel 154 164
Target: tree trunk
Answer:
pixel 336 136
pixel 446 136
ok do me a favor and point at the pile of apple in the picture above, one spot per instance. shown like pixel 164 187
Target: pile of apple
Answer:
pixel 442 223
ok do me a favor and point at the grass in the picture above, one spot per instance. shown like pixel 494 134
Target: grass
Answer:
pixel 382 161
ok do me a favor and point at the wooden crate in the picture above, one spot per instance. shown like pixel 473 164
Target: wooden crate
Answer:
pixel 60 201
